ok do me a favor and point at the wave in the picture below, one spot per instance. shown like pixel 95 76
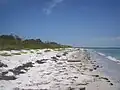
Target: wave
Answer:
pixel 109 57
pixel 102 54
pixel 113 59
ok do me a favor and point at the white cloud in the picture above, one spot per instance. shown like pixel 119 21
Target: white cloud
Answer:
pixel 52 5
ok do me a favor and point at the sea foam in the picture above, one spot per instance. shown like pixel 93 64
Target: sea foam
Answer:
pixel 102 54
pixel 109 57
pixel 113 59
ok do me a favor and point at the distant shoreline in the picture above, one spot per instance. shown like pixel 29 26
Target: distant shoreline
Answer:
pixel 99 47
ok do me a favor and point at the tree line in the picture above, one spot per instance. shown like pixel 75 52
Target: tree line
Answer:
pixel 9 42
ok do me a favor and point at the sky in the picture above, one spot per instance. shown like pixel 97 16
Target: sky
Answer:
pixel 73 22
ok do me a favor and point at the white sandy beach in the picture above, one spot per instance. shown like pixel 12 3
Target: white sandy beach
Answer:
pixel 69 69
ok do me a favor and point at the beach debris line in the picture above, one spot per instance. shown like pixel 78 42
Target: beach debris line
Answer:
pixel 11 73
pixel 41 61
pixel 18 69
pixel 3 65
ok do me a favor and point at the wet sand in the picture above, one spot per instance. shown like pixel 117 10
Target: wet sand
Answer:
pixel 109 67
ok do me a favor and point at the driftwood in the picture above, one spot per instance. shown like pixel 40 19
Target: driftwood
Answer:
pixel 74 60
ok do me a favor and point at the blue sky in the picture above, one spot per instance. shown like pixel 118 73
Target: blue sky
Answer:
pixel 74 22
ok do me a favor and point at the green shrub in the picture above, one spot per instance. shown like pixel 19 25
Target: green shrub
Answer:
pixel 14 42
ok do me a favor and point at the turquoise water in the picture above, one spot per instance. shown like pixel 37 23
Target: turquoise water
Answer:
pixel 110 52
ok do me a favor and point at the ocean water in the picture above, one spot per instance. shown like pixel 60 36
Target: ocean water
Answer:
pixel 112 54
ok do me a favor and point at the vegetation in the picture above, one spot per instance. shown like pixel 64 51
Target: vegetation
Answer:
pixel 10 42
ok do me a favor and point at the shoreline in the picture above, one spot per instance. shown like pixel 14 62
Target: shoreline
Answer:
pixel 110 68
pixel 69 69
pixel 109 57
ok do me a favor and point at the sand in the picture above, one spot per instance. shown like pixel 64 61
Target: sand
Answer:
pixel 69 69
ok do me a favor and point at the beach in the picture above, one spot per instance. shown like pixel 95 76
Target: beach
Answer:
pixel 110 67
pixel 57 69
